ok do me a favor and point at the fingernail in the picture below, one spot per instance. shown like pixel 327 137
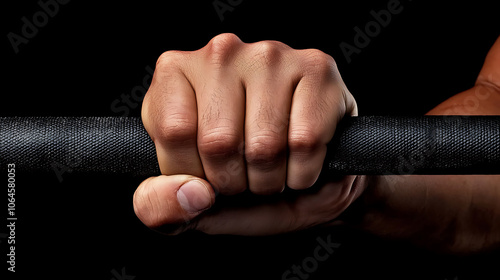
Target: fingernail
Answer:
pixel 193 196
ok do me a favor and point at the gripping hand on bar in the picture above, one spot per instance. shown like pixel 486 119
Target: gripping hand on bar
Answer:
pixel 256 118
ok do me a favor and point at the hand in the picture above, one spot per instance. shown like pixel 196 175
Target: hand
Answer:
pixel 234 116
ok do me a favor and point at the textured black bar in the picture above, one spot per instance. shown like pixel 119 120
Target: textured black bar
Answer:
pixel 416 145
pixel 362 145
pixel 84 145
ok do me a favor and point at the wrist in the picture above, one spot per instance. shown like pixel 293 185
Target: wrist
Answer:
pixel 356 212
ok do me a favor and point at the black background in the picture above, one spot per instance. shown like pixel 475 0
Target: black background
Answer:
pixel 90 53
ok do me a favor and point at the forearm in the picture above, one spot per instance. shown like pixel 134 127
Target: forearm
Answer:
pixel 445 213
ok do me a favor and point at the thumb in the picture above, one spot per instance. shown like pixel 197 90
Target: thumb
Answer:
pixel 169 203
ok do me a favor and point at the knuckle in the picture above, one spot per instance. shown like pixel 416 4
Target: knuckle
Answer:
pixel 264 150
pixel 218 143
pixel 267 53
pixel 316 61
pixel 169 60
pixel 176 129
pixel 146 103
pixel 221 46
pixel 303 141
pixel 225 40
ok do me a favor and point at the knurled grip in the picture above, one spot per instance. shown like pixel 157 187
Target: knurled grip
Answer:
pixel 416 145
pixel 84 145
pixel 361 145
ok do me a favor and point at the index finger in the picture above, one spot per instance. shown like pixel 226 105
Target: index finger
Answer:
pixel 169 114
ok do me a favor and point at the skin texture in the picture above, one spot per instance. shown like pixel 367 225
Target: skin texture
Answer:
pixel 255 118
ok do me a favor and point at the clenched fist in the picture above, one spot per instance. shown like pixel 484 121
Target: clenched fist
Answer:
pixel 234 116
